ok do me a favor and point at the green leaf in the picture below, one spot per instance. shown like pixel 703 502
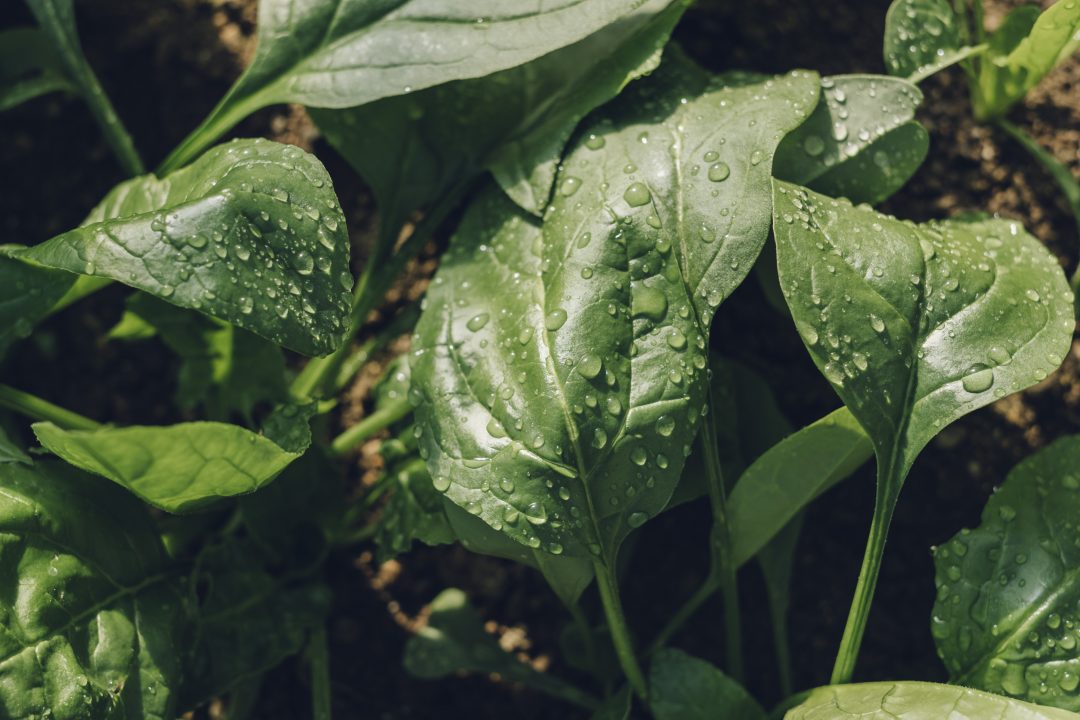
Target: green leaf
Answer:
pixel 10 452
pixel 251 233
pixel 29 67
pixel 682 687
pixel 559 369
pixel 27 294
pixel 922 37
pixel 915 701
pixel 413 512
pixel 917 325
pixel 182 467
pixel 454 640
pixel 1003 79
pixel 861 142
pixel 90 620
pixel 1014 28
pixel 787 477
pixel 246 620
pixel 413 148
pixel 1005 614
pixel 326 53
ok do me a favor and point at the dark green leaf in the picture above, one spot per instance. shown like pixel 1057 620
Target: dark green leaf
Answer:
pixel 251 233
pixel 413 512
pixel 1014 28
pixel 861 142
pixel 10 452
pixel 182 467
pixel 29 67
pixel 90 619
pixel 916 701
pixel 682 687
pixel 617 707
pixel 27 294
pixel 917 325
pixel 921 37
pixel 1005 616
pixel 412 149
pixel 559 368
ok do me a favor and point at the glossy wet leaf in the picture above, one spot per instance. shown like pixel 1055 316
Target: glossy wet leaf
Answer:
pixel 412 149
pixel 1015 65
pixel 335 54
pixel 1005 616
pixel 29 67
pixel 414 512
pixel 788 476
pixel 559 368
pixel 921 36
pixel 251 233
pixel 186 466
pixel 916 701
pixel 682 687
pixel 861 142
pixel 917 325
pixel 454 640
pixel 91 619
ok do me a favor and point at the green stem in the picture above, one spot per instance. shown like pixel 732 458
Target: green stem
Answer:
pixel 855 628
pixel 401 324
pixel 620 633
pixel 707 589
pixel 34 407
pixel 1070 188
pixel 373 423
pixel 221 120
pixel 319 656
pixel 116 135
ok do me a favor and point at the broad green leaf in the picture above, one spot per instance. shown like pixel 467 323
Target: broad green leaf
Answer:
pixel 1004 79
pixel 861 142
pixel 916 701
pixel 246 620
pixel 1014 28
pixel 181 467
pixel 413 512
pixel 454 640
pixel 27 294
pixel 335 54
pixel 29 67
pixel 10 452
pixel 412 149
pixel 682 687
pixel 787 477
pixel 1005 617
pixel 91 619
pixel 251 233
pixel 559 369
pixel 921 37
pixel 917 325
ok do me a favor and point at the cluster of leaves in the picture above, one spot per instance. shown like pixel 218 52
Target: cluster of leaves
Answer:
pixel 562 388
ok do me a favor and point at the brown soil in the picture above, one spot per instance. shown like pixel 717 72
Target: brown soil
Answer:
pixel 166 64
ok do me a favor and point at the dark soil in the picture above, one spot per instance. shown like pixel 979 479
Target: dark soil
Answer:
pixel 167 63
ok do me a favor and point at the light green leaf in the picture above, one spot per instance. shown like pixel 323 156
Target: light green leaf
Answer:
pixel 182 467
pixel 336 54
pixel 413 148
pixel 915 701
pixel 682 687
pixel 917 325
pixel 1004 79
pixel 29 67
pixel 251 233
pixel 787 477
pixel 1005 615
pixel 922 37
pixel 861 142
pixel 454 639
pixel 559 369
pixel 91 619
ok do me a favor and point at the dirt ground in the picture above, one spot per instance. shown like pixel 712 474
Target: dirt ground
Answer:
pixel 166 63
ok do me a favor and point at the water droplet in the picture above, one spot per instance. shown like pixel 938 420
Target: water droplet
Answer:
pixel 665 425
pixel 638 456
pixel 676 339
pixel 979 379
pixel 477 322
pixel 594 141
pixel 877 323
pixel 441 483
pixel 536 513
pixel 637 519
pixel 637 195
pixel 718 172
pixel 507 485
pixel 570 186
pixel 304 263
pixel 599 439
pixel 590 366
pixel 555 319
pixel 814 145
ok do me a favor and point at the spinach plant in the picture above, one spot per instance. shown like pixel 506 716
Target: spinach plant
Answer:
pixel 604 197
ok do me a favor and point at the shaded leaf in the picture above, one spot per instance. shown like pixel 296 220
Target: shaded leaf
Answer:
pixel 682 687
pixel 10 452
pixel 413 512
pixel 251 233
pixel 27 294
pixel 617 707
pixel 29 67
pixel 1005 614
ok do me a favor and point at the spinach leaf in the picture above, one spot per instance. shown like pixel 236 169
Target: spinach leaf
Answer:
pixel 412 149
pixel 922 37
pixel 682 687
pixel 559 368
pixel 183 467
pixel 1005 613
pixel 91 617
pixel 336 54
pixel 454 639
pixel 413 512
pixel 915 701
pixel 29 67
pixel 861 142
pixel 27 294
pixel 251 233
